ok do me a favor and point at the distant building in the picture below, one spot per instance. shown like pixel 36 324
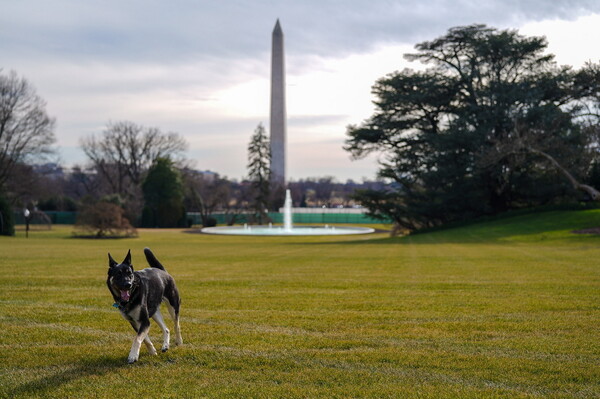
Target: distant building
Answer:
pixel 208 176
pixel 50 169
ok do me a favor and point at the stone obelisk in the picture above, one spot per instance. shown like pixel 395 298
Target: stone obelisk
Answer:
pixel 278 113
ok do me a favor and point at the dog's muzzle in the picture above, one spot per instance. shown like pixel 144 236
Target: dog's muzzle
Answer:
pixel 125 291
pixel 125 295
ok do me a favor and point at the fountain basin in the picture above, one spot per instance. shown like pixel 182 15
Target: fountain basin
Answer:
pixel 282 231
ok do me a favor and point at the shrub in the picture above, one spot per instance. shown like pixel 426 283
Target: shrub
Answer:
pixel 210 222
pixel 103 220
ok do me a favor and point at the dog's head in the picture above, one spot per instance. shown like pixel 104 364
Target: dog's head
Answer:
pixel 121 279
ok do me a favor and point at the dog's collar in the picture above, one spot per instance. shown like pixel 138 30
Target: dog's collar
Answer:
pixel 120 305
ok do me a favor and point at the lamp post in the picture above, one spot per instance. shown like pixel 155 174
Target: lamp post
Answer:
pixel 27 215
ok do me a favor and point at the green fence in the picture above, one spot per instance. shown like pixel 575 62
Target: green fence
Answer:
pixel 57 217
pixel 62 217
pixel 277 217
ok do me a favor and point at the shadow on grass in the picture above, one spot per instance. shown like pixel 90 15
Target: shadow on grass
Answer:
pixel 89 367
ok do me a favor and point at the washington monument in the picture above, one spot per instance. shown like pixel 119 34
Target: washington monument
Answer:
pixel 278 113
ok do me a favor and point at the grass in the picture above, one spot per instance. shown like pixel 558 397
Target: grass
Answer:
pixel 504 309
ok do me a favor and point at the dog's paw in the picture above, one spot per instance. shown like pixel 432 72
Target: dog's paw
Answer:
pixel 150 347
pixel 132 360
pixel 164 349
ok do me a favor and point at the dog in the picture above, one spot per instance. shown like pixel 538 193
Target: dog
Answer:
pixel 138 295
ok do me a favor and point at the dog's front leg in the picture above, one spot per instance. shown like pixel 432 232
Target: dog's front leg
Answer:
pixel 142 335
pixel 136 327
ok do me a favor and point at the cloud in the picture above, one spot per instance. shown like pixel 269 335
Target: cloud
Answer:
pixel 184 30
pixel 568 41
pixel 308 121
pixel 201 67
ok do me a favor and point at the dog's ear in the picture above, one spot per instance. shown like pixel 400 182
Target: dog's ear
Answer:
pixel 111 261
pixel 127 259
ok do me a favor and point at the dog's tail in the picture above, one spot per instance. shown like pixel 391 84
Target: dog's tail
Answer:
pixel 152 261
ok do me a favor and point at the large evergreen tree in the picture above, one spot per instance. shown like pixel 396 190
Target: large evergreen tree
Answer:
pixel 259 172
pixel 460 137
pixel 163 196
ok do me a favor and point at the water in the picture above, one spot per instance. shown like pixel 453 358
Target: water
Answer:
pixel 288 228
pixel 282 231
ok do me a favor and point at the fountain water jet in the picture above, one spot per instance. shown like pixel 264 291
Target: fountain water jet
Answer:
pixel 287 212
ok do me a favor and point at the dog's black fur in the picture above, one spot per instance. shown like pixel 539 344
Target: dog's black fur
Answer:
pixel 138 295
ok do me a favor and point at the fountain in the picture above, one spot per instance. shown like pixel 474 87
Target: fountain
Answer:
pixel 288 229
pixel 287 212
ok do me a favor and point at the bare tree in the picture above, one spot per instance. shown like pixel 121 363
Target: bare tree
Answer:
pixel 125 150
pixel 26 131
pixel 207 195
pixel 81 182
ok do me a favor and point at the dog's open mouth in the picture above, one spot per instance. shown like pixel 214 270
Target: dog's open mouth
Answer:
pixel 125 294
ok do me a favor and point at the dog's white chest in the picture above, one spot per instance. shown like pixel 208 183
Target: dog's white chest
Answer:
pixel 132 314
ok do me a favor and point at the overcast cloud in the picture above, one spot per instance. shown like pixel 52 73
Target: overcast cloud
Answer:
pixel 201 68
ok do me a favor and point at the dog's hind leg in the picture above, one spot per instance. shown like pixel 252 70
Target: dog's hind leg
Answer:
pixel 166 334
pixel 174 312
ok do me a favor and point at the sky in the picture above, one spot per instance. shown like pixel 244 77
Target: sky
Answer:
pixel 202 68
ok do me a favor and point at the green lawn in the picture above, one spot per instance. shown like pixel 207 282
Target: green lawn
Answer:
pixel 505 309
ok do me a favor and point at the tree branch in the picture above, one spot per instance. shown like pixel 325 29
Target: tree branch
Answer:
pixel 592 192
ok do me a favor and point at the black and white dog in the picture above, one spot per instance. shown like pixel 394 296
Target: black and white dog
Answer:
pixel 138 295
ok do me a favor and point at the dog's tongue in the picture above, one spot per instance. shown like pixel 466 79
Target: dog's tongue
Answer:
pixel 124 295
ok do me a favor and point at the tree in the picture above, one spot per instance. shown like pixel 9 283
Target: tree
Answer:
pixel 125 151
pixel 26 131
pixel 163 196
pixel 209 193
pixel 324 189
pixel 445 131
pixel 259 172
